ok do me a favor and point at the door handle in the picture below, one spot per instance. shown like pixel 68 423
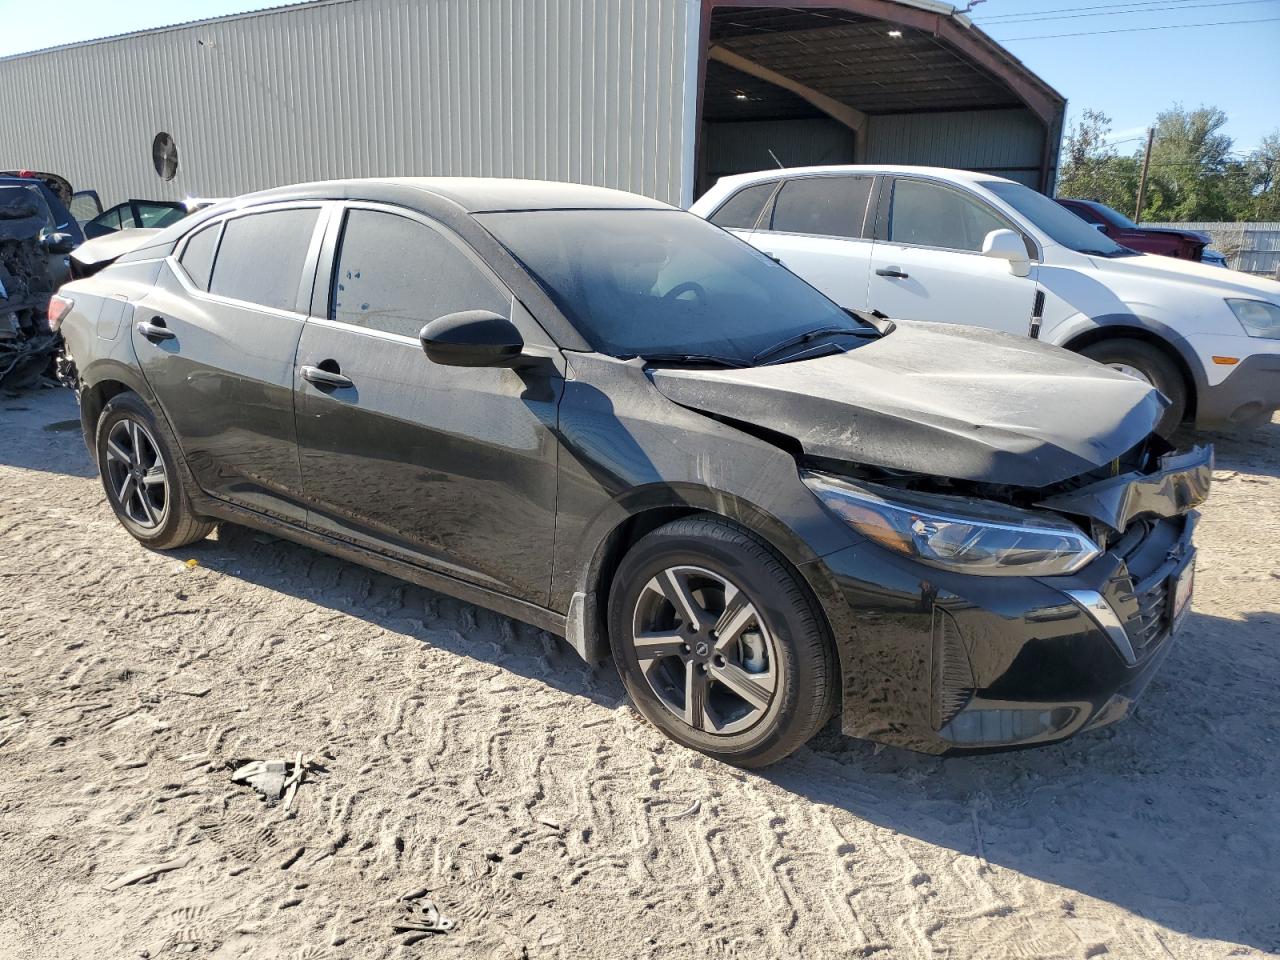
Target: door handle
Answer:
pixel 155 330
pixel 893 272
pixel 325 378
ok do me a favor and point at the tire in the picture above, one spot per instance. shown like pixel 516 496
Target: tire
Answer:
pixel 1155 366
pixel 766 681
pixel 145 491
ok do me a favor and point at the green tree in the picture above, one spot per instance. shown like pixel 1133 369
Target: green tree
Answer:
pixel 1193 175
pixel 1264 178
pixel 1090 169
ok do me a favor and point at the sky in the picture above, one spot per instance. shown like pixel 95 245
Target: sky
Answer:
pixel 1130 75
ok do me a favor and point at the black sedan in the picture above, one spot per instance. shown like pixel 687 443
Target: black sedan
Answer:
pixel 608 418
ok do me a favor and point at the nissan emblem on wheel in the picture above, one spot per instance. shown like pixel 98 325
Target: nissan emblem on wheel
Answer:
pixel 611 419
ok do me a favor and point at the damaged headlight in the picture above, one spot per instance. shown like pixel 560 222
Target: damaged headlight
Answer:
pixel 967 536
pixel 1259 318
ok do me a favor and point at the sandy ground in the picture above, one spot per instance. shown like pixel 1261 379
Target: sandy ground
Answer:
pixel 479 759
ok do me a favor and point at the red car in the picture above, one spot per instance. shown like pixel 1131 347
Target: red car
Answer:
pixel 1183 244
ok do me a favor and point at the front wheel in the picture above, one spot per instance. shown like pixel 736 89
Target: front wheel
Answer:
pixel 1151 365
pixel 719 643
pixel 140 477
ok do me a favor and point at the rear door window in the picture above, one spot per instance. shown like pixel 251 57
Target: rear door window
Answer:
pixel 197 256
pixel 825 206
pixel 261 257
pixel 931 215
pixel 396 275
pixel 742 210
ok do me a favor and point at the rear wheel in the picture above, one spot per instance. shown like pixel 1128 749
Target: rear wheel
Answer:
pixel 139 475
pixel 1150 364
pixel 719 643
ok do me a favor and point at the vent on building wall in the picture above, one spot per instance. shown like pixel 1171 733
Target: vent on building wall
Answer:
pixel 164 154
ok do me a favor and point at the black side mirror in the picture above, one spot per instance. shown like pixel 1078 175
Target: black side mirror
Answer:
pixel 59 243
pixel 472 338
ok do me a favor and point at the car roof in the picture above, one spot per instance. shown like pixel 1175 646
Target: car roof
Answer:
pixel 870 169
pixel 471 194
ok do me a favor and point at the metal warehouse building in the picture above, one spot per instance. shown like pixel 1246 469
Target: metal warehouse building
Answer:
pixel 655 96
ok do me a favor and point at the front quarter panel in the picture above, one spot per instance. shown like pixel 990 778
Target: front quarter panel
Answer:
pixel 626 450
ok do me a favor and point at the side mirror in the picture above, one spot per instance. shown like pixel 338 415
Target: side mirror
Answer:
pixel 59 242
pixel 472 338
pixel 1007 245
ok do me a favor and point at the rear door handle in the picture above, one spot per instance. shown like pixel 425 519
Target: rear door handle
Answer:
pixel 325 378
pixel 155 330
pixel 893 272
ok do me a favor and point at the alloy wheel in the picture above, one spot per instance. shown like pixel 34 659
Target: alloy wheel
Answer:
pixel 136 473
pixel 704 649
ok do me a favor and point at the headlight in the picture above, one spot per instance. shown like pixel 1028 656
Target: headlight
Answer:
pixel 967 536
pixel 1259 318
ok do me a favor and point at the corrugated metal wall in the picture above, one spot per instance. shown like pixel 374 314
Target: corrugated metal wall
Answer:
pixel 739 147
pixel 1253 247
pixel 584 90
pixel 1007 143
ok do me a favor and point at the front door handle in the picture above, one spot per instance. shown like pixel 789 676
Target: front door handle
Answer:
pixel 155 330
pixel 325 378
pixel 893 272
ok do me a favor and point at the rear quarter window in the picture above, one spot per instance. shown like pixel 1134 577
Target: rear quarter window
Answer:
pixel 197 257
pixel 742 210
pixel 261 257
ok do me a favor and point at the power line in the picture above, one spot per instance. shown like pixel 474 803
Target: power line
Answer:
pixel 1169 26
pixel 1018 15
pixel 1043 15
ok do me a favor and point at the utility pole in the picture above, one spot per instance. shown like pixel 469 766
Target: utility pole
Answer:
pixel 1142 183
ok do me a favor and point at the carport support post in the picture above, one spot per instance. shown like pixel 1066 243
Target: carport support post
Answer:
pixel 1142 181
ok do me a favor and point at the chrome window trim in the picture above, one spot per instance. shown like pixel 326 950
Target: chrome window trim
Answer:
pixel 325 208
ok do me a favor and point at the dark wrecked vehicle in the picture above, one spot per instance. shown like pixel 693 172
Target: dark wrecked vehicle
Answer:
pixel 33 262
pixel 610 419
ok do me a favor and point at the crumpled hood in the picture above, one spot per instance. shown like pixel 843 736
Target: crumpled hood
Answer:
pixel 951 401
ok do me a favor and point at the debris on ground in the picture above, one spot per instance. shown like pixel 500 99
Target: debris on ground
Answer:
pixel 147 872
pixel 273 778
pixel 419 915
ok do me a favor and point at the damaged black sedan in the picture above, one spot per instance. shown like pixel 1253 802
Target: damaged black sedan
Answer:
pixel 608 418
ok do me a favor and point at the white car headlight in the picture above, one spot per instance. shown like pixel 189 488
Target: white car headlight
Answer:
pixel 967 536
pixel 1259 318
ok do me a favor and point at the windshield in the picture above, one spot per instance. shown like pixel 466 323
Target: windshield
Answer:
pixel 665 283
pixel 1058 222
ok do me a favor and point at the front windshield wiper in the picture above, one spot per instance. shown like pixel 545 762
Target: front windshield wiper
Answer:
pixel 810 335
pixel 1109 254
pixel 694 358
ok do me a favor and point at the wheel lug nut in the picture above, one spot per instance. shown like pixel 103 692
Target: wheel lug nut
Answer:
pixel 684 648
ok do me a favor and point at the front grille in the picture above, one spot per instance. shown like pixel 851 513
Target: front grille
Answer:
pixel 1152 620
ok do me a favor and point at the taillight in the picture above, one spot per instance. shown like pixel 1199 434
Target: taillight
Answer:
pixel 59 307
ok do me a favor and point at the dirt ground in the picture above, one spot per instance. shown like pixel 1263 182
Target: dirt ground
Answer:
pixel 480 760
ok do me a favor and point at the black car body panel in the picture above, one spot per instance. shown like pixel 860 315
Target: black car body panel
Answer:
pixel 1001 409
pixel 1179 483
pixel 517 487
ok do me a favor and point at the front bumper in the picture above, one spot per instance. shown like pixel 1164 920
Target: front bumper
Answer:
pixel 1248 396
pixel 940 662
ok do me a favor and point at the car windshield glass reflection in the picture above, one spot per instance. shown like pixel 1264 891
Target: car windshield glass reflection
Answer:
pixel 663 283
pixel 1057 221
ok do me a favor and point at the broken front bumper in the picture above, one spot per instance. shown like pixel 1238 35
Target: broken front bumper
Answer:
pixel 943 662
